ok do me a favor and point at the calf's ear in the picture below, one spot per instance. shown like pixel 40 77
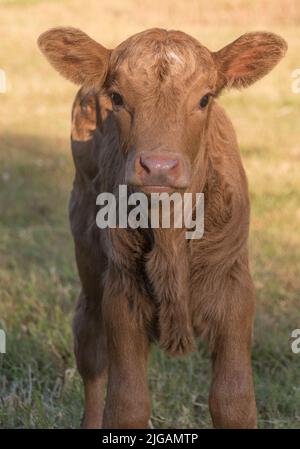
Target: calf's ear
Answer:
pixel 248 59
pixel 75 55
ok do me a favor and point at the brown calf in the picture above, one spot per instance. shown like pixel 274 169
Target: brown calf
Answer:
pixel 147 116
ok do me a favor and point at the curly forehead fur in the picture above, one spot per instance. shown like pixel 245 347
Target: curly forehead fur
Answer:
pixel 161 55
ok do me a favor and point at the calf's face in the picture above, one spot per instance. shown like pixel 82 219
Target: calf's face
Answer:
pixel 161 85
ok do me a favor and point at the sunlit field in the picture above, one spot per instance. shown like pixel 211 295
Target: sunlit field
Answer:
pixel 39 385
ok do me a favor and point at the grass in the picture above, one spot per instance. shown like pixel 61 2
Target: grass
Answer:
pixel 39 386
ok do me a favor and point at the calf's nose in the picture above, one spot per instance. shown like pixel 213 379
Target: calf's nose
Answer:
pixel 157 165
pixel 158 169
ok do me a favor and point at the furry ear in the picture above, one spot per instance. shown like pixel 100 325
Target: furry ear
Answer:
pixel 248 59
pixel 75 55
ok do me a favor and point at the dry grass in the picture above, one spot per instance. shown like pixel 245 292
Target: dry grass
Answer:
pixel 38 385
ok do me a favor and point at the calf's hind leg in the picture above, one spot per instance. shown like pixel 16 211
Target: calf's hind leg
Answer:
pixel 91 357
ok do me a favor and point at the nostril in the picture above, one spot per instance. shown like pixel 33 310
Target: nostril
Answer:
pixel 144 162
pixel 172 163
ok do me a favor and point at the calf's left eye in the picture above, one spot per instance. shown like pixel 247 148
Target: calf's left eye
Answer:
pixel 117 99
pixel 204 101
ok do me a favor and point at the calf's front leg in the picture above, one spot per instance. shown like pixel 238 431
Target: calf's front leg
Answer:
pixel 232 400
pixel 127 402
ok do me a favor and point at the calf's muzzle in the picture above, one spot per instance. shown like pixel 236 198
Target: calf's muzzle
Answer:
pixel 158 171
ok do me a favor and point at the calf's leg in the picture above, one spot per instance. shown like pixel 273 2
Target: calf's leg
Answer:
pixel 91 357
pixel 127 402
pixel 232 400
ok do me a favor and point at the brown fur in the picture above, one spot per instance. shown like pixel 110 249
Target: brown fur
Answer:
pixel 144 286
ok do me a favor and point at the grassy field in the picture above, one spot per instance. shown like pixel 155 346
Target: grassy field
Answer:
pixel 39 386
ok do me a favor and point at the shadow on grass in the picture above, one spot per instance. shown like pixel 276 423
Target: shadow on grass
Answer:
pixel 36 179
pixel 38 283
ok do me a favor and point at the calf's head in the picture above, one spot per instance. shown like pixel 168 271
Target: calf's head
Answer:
pixel 162 85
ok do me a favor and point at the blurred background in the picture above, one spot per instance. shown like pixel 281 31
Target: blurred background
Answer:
pixel 39 386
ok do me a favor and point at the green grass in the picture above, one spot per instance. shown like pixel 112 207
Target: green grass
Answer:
pixel 39 386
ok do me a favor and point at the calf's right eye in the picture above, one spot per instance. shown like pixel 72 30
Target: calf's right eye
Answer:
pixel 204 101
pixel 117 99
